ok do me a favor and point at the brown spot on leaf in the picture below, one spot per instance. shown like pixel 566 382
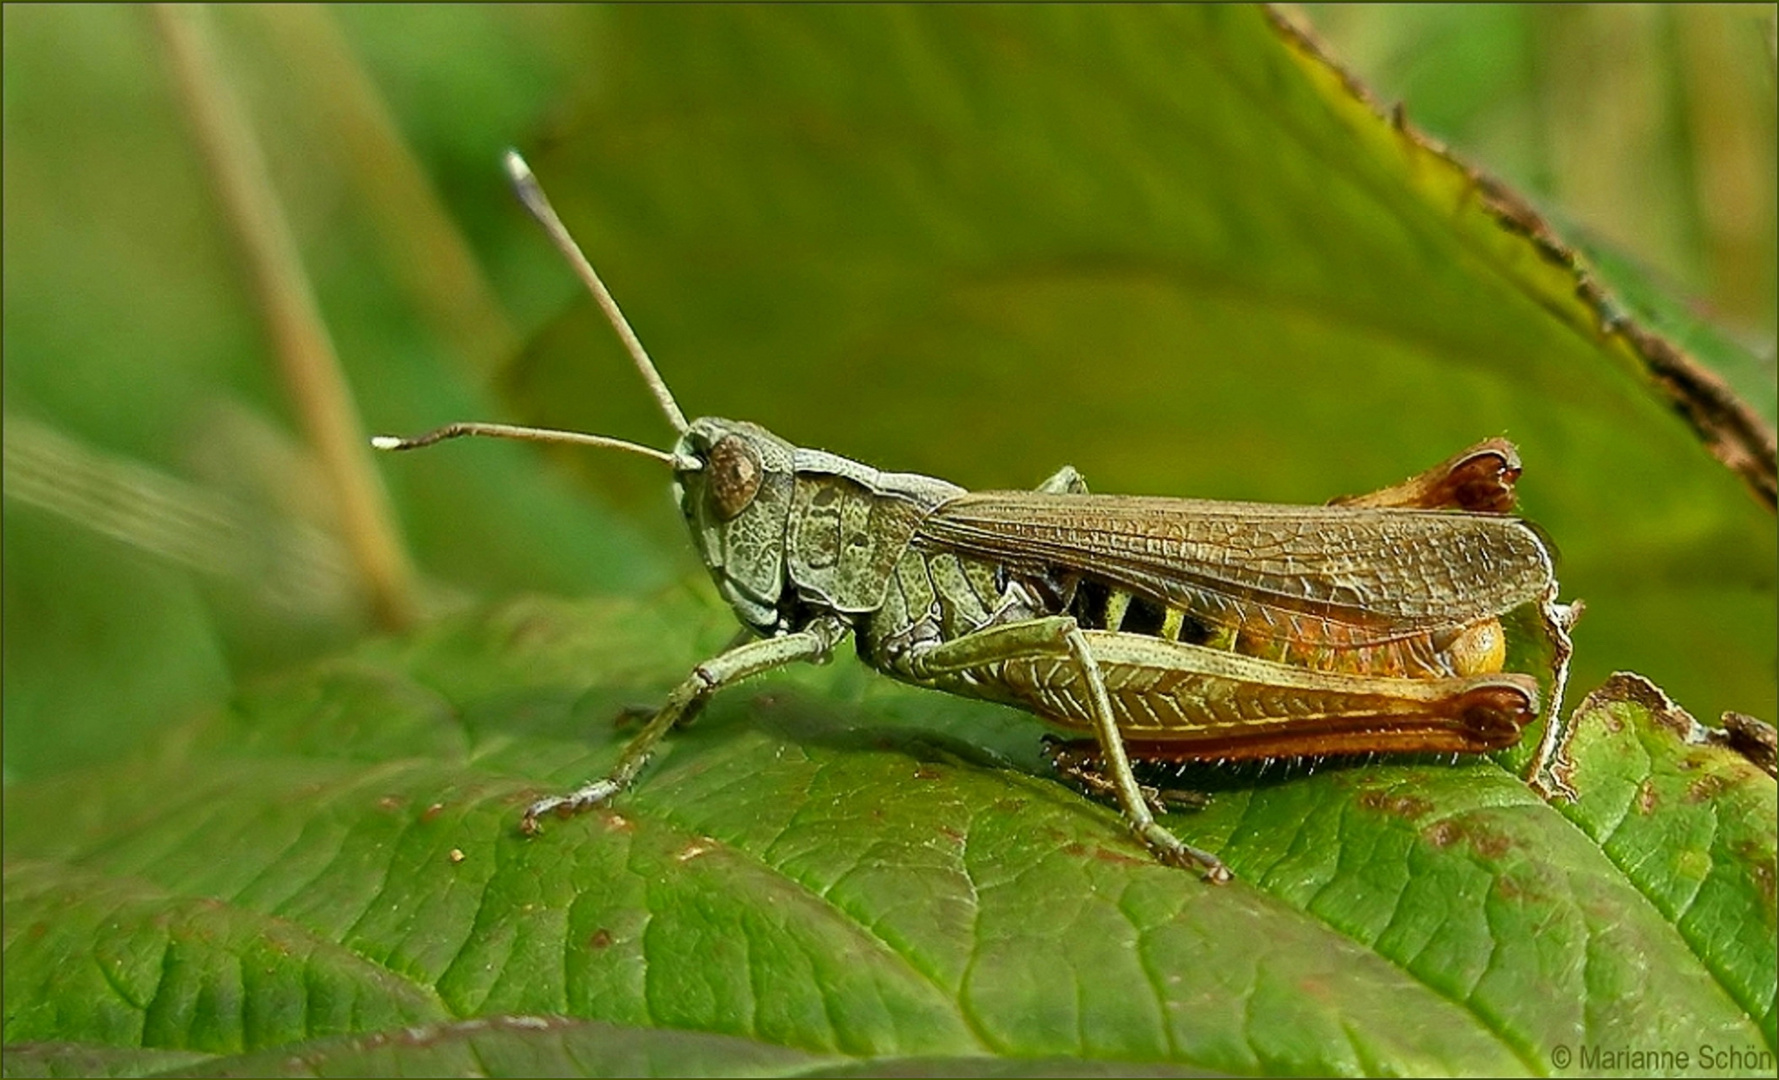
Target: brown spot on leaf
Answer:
pixel 1629 688
pixel 1706 788
pixel 1484 841
pixel 1398 805
pixel 1761 869
pixel 704 845
pixel 1490 844
pixel 1646 797
pixel 600 939
pixel 432 812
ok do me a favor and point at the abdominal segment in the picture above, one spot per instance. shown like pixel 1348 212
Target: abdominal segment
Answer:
pixel 1296 639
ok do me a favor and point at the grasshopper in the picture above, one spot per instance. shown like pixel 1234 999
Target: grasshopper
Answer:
pixel 1171 629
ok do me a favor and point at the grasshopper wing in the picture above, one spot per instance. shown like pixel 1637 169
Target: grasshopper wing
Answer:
pixel 1368 575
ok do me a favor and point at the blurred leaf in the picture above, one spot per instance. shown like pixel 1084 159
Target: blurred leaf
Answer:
pixel 1644 300
pixel 59 712
pixel 130 336
pixel 1651 127
pixel 831 864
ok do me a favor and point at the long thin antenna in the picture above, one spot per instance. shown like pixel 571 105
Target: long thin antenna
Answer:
pixel 531 434
pixel 532 195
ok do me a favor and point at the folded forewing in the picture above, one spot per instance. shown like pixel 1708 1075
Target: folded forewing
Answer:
pixel 1380 572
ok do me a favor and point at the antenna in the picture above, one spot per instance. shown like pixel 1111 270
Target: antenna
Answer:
pixel 532 195
pixel 531 434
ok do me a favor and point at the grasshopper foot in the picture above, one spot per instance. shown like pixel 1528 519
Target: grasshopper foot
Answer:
pixel 1172 850
pixel 575 802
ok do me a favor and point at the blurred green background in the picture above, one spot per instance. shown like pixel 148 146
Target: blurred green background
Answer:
pixel 975 242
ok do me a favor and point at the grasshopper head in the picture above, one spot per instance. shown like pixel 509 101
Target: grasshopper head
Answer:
pixel 733 480
pixel 737 502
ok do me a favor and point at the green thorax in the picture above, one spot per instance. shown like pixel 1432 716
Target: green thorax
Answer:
pixel 786 530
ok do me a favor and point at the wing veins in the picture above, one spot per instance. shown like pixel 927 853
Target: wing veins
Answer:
pixel 1364 567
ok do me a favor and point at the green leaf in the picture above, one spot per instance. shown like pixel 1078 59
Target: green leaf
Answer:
pixel 1691 822
pixel 543 1046
pixel 75 1059
pixel 132 338
pixel 524 1046
pixel 834 864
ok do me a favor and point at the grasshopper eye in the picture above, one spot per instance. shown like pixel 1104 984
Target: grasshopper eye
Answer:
pixel 735 476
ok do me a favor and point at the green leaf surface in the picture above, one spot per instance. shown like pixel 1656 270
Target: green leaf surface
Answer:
pixel 543 1046
pixel 830 863
pixel 1692 823
pixel 131 335
pixel 526 1046
pixel 78 1059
